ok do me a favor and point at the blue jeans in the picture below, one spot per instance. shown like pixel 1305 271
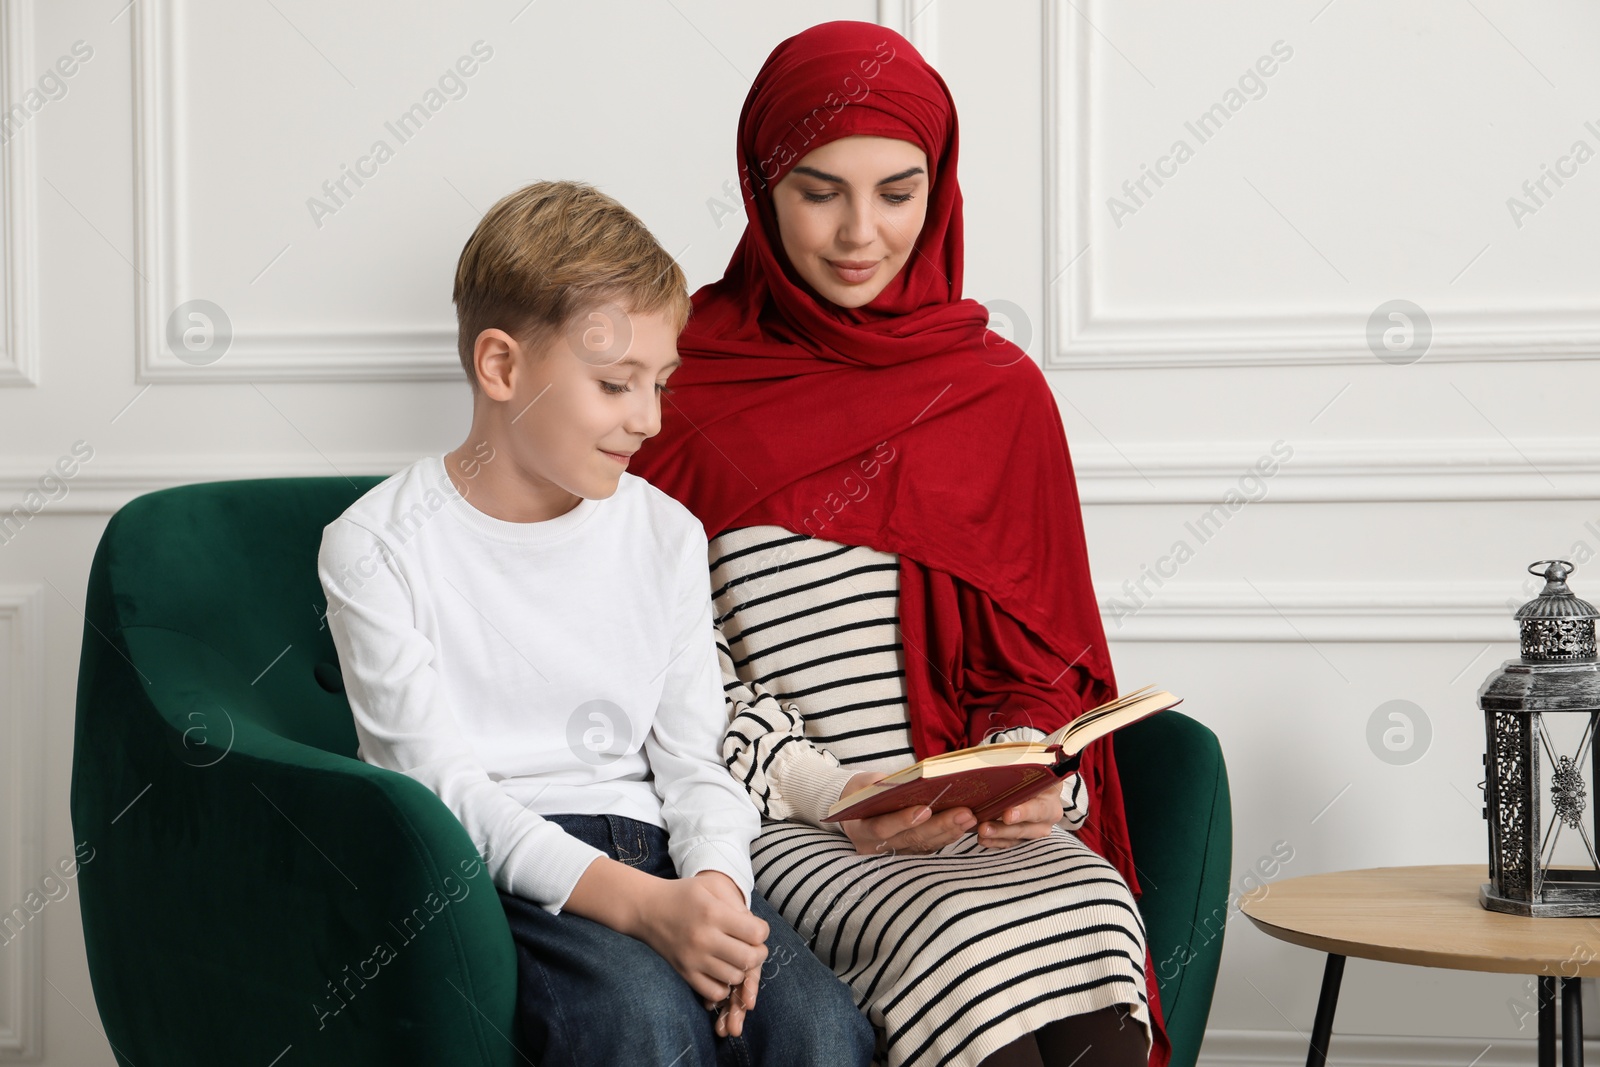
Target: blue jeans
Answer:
pixel 588 995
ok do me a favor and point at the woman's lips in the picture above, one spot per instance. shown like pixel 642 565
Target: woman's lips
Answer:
pixel 618 456
pixel 852 272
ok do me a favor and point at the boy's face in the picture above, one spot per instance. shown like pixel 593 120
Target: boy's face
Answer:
pixel 592 398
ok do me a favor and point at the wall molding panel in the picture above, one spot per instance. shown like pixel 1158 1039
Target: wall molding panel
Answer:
pixel 19 353
pixel 1196 472
pixel 916 21
pixel 1381 612
pixel 1341 471
pixel 22 761
pixel 1080 336
pixel 375 353
pixel 281 354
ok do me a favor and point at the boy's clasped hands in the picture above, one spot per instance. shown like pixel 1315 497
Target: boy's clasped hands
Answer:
pixel 920 829
pixel 702 927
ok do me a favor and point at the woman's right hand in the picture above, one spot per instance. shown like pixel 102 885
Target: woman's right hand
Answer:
pixel 907 830
pixel 709 941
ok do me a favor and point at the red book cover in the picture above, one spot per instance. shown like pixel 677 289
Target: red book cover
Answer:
pixel 988 791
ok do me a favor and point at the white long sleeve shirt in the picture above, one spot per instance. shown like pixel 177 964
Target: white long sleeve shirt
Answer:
pixel 526 669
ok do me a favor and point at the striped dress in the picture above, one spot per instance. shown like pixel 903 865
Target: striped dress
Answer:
pixel 951 954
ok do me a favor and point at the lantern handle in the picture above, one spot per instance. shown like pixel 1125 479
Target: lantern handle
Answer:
pixel 1568 568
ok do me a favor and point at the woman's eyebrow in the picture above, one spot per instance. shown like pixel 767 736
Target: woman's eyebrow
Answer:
pixel 825 176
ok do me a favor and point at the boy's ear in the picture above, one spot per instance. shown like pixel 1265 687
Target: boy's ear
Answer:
pixel 496 355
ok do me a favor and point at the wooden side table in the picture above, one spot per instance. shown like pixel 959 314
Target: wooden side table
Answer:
pixel 1429 917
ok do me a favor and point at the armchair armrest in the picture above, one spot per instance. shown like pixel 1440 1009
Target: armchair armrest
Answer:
pixel 1180 820
pixel 274 894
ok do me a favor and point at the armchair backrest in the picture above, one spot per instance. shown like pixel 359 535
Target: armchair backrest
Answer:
pixel 233 565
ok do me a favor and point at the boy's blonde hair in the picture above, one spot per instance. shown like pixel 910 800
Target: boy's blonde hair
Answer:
pixel 551 251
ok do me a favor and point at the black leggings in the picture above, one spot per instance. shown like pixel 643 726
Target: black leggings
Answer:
pixel 1109 1033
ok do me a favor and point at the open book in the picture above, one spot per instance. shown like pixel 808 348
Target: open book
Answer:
pixel 991 778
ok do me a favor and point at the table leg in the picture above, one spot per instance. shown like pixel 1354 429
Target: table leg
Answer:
pixel 1571 1022
pixel 1547 1021
pixel 1322 1028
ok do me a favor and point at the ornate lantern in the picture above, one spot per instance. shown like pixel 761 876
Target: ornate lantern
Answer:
pixel 1558 674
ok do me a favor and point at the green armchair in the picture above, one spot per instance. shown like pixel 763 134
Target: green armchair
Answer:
pixel 256 890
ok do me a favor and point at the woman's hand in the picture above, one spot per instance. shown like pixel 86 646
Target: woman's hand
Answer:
pixel 1023 822
pixel 915 829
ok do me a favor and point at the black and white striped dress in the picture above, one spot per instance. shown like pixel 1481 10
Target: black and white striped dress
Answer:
pixel 952 954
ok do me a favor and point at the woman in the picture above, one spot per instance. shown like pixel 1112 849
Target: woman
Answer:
pixel 899 569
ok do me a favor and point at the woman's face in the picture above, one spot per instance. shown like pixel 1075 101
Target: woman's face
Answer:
pixel 849 213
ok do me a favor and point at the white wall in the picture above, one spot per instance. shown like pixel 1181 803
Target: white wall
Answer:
pixel 1186 333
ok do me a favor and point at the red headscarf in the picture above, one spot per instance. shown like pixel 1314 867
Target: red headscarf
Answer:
pixel 904 425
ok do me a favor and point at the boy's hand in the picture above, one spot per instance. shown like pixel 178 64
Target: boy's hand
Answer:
pixel 704 930
pixel 907 830
pixel 730 1020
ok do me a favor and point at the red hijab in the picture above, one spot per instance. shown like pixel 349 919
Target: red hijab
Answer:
pixel 904 425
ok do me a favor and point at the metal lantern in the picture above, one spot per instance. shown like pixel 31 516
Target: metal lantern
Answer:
pixel 1558 674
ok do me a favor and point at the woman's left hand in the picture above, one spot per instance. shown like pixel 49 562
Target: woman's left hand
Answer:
pixel 1022 822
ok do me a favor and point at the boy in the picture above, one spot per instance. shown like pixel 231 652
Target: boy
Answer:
pixel 526 629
